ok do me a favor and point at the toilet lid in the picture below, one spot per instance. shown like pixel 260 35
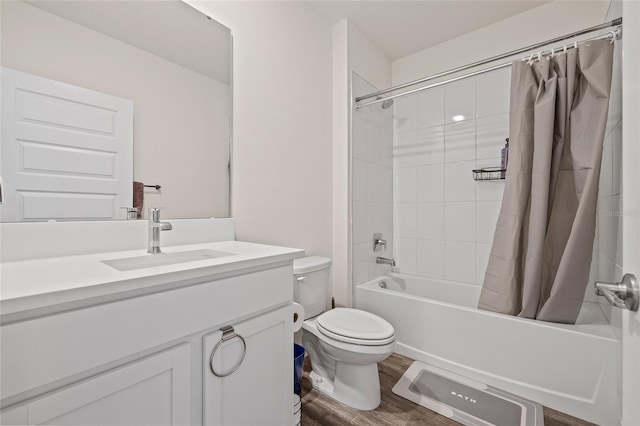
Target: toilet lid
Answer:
pixel 355 326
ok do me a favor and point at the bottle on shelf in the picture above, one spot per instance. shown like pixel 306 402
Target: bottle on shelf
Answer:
pixel 504 159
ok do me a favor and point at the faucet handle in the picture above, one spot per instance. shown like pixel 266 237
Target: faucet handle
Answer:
pixel 131 212
pixel 378 242
pixel 154 213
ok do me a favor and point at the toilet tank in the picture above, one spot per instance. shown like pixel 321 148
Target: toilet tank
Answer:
pixel 311 284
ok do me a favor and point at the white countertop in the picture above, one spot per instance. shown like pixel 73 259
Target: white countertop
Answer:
pixel 31 288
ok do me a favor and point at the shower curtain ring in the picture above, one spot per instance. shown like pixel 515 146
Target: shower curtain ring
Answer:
pixel 575 44
pixel 540 56
pixel 530 61
pixel 613 35
pixel 564 49
pixel 553 52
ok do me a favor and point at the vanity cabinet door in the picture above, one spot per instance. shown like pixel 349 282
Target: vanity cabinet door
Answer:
pixel 155 390
pixel 260 391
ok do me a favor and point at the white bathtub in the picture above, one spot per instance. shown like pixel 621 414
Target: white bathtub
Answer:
pixel 572 368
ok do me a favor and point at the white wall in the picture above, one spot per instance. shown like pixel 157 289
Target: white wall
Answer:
pixel 367 59
pixel 542 23
pixel 180 116
pixel 282 138
pixel 342 263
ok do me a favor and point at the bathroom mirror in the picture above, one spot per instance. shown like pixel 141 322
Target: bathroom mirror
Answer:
pixel 99 94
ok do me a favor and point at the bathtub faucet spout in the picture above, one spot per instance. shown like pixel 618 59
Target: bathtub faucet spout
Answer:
pixel 385 261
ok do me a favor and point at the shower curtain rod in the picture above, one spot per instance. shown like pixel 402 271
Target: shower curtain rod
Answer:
pixel 614 23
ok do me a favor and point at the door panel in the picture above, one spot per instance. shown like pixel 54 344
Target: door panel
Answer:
pixel 631 208
pixel 67 152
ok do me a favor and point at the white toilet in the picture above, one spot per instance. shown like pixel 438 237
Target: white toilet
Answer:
pixel 345 345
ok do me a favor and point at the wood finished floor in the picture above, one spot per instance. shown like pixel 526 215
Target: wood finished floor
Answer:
pixel 320 410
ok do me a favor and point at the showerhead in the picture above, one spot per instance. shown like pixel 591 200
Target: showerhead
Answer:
pixel 387 103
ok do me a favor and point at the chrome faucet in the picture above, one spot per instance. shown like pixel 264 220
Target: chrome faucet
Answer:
pixel 155 226
pixel 385 261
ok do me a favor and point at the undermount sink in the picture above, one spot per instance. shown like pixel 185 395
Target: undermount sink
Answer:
pixel 163 259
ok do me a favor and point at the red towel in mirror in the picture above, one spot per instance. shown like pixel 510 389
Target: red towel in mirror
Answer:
pixel 138 197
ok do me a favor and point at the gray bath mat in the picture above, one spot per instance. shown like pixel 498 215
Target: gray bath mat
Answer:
pixel 464 400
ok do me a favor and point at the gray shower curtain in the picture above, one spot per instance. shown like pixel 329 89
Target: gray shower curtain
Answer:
pixel 542 247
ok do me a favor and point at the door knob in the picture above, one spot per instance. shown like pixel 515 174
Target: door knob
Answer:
pixel 625 294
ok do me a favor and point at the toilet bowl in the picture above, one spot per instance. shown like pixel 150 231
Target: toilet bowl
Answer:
pixel 344 363
pixel 344 345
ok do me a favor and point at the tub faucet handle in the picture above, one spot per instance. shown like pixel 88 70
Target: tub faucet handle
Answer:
pixel 378 242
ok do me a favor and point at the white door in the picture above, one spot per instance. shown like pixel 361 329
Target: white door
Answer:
pixel 260 391
pixel 155 390
pixel 631 208
pixel 66 152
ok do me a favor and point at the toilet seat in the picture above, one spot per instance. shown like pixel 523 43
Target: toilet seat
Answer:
pixel 356 327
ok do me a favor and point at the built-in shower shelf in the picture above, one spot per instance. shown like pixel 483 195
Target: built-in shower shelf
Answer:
pixel 489 173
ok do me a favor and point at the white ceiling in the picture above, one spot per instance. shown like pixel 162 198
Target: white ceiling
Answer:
pixel 400 28
pixel 172 30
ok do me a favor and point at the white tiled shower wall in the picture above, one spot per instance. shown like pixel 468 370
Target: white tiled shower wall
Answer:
pixel 443 219
pixel 372 187
pixel 607 265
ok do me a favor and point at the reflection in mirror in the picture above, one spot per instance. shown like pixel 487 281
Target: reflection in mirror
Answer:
pixel 99 94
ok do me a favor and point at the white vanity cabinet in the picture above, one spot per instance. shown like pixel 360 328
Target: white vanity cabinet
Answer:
pixel 146 359
pixel 240 399
pixel 154 390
